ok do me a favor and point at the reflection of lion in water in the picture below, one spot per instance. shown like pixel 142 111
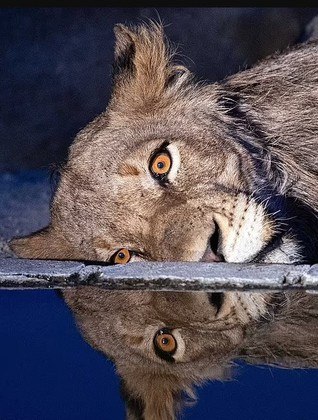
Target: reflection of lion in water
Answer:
pixel 178 170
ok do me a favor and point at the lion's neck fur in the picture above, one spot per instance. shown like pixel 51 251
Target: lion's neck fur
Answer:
pixel 271 112
pixel 277 102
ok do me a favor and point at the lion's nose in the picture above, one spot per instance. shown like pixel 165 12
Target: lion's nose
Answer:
pixel 211 253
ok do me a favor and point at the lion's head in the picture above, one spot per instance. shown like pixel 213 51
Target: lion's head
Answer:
pixel 160 176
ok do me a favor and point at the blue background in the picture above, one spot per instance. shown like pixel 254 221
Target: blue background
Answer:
pixel 47 371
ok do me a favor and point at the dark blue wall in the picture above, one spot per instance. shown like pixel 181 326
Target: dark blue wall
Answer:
pixel 56 64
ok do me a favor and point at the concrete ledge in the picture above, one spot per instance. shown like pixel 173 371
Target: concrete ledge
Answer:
pixel 168 276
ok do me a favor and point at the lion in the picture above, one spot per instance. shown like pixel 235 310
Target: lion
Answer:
pixel 178 169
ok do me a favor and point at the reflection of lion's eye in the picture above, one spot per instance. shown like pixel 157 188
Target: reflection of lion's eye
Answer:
pixel 165 342
pixel 160 164
pixel 122 256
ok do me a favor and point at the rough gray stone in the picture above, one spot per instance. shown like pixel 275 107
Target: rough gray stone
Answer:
pixel 196 276
pixel 310 278
pixel 37 274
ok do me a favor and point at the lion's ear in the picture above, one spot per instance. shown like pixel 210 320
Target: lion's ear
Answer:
pixel 290 339
pixel 143 67
pixel 124 51
pixel 44 244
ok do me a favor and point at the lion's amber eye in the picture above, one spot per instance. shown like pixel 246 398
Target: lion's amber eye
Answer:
pixel 160 164
pixel 122 256
pixel 165 341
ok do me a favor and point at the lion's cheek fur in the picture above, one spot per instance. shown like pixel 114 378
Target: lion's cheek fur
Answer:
pixel 245 229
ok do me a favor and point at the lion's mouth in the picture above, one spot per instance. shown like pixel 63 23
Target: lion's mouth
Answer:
pixel 212 253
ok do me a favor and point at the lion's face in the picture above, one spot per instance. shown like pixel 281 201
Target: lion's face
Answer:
pixel 163 343
pixel 158 176
pixel 161 193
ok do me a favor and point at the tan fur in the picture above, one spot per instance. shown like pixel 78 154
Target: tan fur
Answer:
pixel 244 164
